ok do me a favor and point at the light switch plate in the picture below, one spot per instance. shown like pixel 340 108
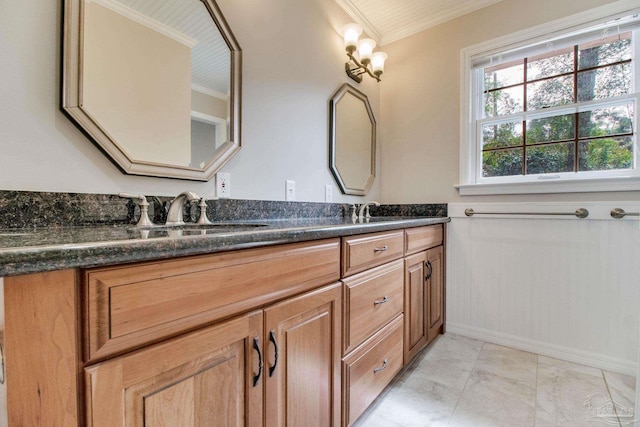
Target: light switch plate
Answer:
pixel 290 191
pixel 328 193
pixel 223 185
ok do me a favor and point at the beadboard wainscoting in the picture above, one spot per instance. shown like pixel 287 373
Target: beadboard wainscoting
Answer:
pixel 558 286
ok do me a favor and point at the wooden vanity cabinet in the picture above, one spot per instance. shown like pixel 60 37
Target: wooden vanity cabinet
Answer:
pixel 424 288
pixel 303 334
pixel 180 342
pixel 216 376
pixel 373 287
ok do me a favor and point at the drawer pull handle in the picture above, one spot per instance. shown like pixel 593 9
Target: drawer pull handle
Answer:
pixel 256 347
pixel 381 301
pixel 381 368
pixel 430 272
pixel 272 338
pixel 382 249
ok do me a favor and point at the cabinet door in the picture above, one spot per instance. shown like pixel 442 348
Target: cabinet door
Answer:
pixel 415 305
pixel 435 291
pixel 302 361
pixel 205 378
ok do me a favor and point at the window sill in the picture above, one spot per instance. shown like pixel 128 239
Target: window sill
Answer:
pixel 564 186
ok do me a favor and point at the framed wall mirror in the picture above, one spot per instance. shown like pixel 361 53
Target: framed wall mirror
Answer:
pixel 156 84
pixel 352 144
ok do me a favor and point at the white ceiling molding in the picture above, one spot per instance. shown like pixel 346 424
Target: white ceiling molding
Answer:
pixel 388 21
pixel 361 19
pixel 146 21
pixel 210 92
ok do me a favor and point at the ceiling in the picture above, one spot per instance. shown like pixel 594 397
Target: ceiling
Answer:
pixel 389 20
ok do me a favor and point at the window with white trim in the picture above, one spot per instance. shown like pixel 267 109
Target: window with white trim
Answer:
pixel 559 109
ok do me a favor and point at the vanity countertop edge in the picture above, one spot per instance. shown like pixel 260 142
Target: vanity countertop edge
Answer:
pixel 47 249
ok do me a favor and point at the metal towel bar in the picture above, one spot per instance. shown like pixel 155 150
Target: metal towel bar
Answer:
pixel 580 213
pixel 619 213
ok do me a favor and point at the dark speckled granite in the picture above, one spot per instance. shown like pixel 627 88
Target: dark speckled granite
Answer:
pixel 433 209
pixel 48 231
pixel 23 209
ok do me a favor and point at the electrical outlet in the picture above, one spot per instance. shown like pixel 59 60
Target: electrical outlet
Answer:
pixel 328 193
pixel 290 191
pixel 223 185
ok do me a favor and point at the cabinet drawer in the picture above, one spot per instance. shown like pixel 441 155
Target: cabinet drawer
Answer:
pixel 365 373
pixel 372 299
pixel 362 252
pixel 129 306
pixel 421 238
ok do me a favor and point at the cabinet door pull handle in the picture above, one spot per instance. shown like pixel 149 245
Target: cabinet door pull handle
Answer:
pixel 272 338
pixel 382 249
pixel 430 272
pixel 381 301
pixel 381 368
pixel 256 347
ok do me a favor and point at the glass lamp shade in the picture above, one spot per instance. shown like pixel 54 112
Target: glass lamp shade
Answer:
pixel 377 62
pixel 365 50
pixel 351 33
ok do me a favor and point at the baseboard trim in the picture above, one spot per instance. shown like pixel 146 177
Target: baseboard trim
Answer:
pixel 595 360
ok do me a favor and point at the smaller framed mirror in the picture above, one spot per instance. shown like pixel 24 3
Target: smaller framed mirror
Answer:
pixel 352 144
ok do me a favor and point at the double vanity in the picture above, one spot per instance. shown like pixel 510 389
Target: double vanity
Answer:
pixel 294 322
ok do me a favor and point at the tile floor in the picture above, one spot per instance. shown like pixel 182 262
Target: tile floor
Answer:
pixel 462 382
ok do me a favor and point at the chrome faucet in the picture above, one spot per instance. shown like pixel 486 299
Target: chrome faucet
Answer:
pixel 365 208
pixel 174 217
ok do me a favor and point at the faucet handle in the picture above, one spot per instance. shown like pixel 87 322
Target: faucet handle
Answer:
pixel 141 201
pixel 202 219
pixel 354 215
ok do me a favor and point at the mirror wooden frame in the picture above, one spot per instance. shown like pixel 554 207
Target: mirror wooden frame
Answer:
pixel 342 91
pixel 72 56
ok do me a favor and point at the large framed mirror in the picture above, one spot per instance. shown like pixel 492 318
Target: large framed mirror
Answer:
pixel 156 84
pixel 352 145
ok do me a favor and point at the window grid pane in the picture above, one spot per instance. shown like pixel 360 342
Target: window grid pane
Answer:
pixel 600 139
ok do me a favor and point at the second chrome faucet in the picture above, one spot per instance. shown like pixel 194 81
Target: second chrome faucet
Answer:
pixel 174 216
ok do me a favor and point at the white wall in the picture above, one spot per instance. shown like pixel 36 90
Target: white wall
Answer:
pixel 421 102
pixel 558 286
pixel 293 63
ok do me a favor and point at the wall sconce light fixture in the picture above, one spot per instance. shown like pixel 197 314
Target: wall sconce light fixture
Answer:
pixel 370 62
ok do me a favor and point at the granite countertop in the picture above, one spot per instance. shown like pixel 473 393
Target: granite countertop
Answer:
pixel 31 250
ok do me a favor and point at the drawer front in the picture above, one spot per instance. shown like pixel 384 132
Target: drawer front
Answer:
pixel 421 238
pixel 362 252
pixel 368 370
pixel 372 299
pixel 128 306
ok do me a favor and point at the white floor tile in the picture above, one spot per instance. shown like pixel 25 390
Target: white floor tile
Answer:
pixel 462 382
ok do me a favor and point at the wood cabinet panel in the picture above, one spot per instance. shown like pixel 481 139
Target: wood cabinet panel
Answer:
pixel 199 379
pixel 302 360
pixel 421 238
pixel 130 306
pixel 41 349
pixel 370 368
pixel 416 305
pixel 365 251
pixel 435 288
pixel 371 300
pixel 424 300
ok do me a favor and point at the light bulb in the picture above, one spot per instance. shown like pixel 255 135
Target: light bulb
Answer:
pixel 365 50
pixel 351 32
pixel 377 63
